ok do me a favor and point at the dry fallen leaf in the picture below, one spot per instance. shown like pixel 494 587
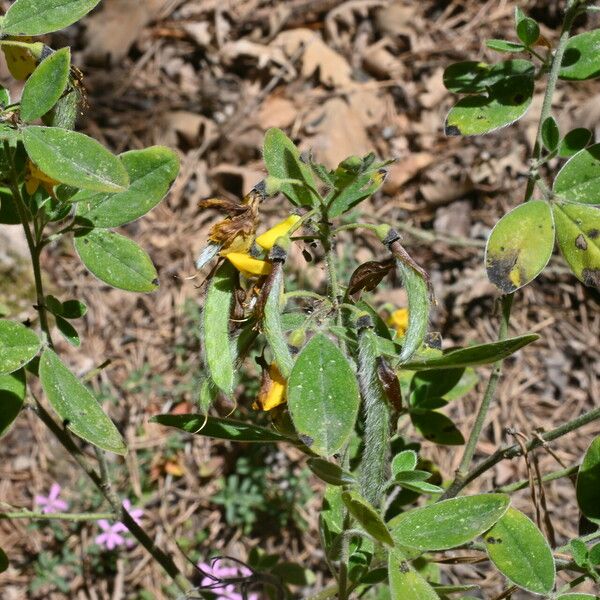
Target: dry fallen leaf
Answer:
pixel 403 171
pixel 276 111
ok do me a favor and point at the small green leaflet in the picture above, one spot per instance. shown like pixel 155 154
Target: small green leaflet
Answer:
pixel 12 396
pixel 588 482
pixel 574 141
pixel 582 59
pixel 221 429
pixel 46 85
pixel 76 406
pixel 579 179
pixel 578 235
pixel 438 428
pixel 116 260
pixel 550 134
pixel 282 160
pixel 405 583
pixel 506 102
pixel 367 516
pixel 215 320
pixel 330 472
pixel 404 461
pixel 504 46
pixel 75 159
pixel 32 17
pixel 151 173
pixel 323 396
pixel 520 552
pixel 449 523
pixel 528 30
pixel 18 345
pixel 520 246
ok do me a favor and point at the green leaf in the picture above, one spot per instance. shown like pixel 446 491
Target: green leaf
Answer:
pixel 75 159
pixel 576 140
pixel 438 428
pixel 73 309
pixel 449 523
pixel 32 17
pixel 18 345
pixel 528 31
pixel 579 179
pixel 421 487
pixel 3 561
pixel 506 102
pixel 578 235
pixel 433 384
pixel 79 410
pixel 8 210
pixel 595 554
pixel 46 85
pixel 405 582
pixel 470 77
pixel 151 172
pixel 68 331
pixel 323 396
pixel 221 429
pixel 581 59
pixel 116 260
pixel 215 318
pixel 282 160
pixel 576 596
pixel 579 552
pixel 367 516
pixel 520 246
pixel 404 461
pixel 550 134
pixel 12 396
pixel 482 354
pixel 588 482
pixel 504 46
pixel 330 472
pixel 520 552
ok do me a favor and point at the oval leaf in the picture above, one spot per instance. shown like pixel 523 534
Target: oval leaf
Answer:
pixel 520 552
pixel 12 396
pixel 582 59
pixel 471 76
pixel 520 246
pixel 75 159
pixel 151 173
pixel 18 345
pixel 221 429
pixel 579 179
pixel 282 160
pixel 449 523
pixel 32 17
pixel 46 85
pixel 578 235
pixel 507 101
pixel 576 140
pixel 550 133
pixel 116 260
pixel 367 516
pixel 437 428
pixel 588 482
pixel 215 317
pixel 577 596
pixel 404 461
pixel 406 583
pixel 330 472
pixel 76 406
pixel 323 396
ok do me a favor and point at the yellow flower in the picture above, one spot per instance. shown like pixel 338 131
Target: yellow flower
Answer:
pixel 272 391
pixel 399 321
pixel 268 238
pixel 34 178
pixel 249 266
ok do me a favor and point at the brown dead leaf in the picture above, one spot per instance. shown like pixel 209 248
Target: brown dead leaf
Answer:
pixel 277 112
pixel 316 57
pixel 379 61
pixel 238 181
pixel 265 56
pixel 112 31
pixel 369 106
pixel 403 171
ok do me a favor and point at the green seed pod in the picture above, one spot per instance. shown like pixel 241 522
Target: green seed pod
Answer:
pixel 65 112
pixel 374 466
pixel 215 334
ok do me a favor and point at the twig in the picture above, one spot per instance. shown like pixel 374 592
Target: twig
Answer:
pixel 520 485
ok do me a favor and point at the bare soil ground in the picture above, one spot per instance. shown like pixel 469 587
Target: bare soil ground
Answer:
pixel 342 77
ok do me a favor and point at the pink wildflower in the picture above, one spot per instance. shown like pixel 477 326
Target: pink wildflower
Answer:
pixel 52 503
pixel 218 585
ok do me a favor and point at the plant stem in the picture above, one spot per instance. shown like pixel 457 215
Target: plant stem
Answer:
pixel 520 485
pixel 28 514
pixel 488 396
pixel 509 452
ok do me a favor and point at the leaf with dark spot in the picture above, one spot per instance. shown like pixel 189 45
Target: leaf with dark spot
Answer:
pixel 368 276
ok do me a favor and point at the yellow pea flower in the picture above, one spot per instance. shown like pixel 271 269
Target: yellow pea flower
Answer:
pixel 249 266
pixel 272 392
pixel 399 321
pixel 34 178
pixel 268 238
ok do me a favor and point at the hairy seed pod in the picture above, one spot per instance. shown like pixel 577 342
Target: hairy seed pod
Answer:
pixel 215 334
pixel 374 465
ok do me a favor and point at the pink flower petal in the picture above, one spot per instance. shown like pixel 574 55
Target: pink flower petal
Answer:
pixel 54 491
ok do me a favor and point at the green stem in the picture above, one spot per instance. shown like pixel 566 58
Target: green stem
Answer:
pixel 469 452
pixel 28 514
pixel 509 452
pixel 590 537
pixel 520 485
